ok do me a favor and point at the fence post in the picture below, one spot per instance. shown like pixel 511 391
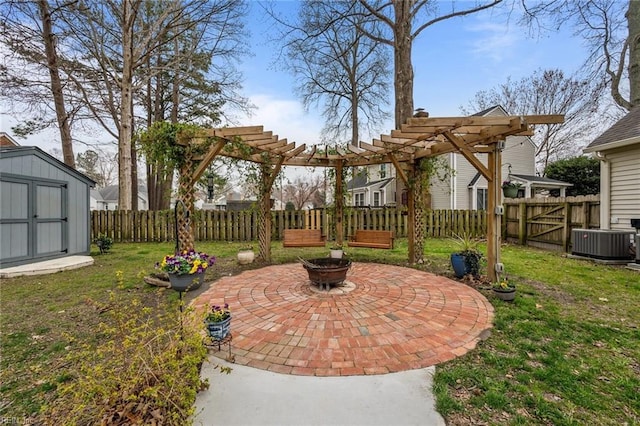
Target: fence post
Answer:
pixel 522 224
pixel 566 227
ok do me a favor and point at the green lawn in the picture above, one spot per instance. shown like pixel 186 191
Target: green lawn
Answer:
pixel 565 352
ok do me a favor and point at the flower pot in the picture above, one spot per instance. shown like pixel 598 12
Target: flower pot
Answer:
pixel 219 330
pixel 245 257
pixel 510 192
pixel 506 294
pixel 459 265
pixel 336 253
pixel 186 282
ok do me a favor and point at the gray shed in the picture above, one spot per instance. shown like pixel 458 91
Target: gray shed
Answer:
pixel 44 207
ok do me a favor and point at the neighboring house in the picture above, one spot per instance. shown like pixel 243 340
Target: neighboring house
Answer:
pixel 373 186
pixel 618 150
pixel 44 207
pixel 464 189
pixel 7 140
pixel 107 198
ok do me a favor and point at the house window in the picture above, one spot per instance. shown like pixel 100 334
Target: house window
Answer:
pixel 383 171
pixel 359 199
pixel 481 199
pixel 376 199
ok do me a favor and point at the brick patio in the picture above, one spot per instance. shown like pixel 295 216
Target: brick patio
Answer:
pixel 385 319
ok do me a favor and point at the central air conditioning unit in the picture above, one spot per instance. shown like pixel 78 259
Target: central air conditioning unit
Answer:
pixel 601 244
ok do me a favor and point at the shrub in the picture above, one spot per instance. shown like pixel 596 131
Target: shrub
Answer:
pixel 144 370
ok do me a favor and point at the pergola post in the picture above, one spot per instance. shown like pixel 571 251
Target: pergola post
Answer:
pixel 494 212
pixel 411 213
pixel 184 231
pixel 268 176
pixel 339 201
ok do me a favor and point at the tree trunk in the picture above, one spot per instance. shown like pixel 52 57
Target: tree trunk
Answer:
pixel 633 20
pixel 56 84
pixel 126 109
pixel 403 76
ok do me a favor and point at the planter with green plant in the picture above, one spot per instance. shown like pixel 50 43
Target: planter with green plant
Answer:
pixel 337 250
pixel 466 261
pixel 510 189
pixel 504 289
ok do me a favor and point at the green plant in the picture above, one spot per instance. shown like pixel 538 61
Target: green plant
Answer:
pixel 507 184
pixel 187 262
pixel 103 242
pixel 468 248
pixel 504 284
pixel 218 313
pixel 246 248
pixel 336 246
pixel 144 366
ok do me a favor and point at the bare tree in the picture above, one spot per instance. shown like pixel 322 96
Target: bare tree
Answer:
pixel 99 165
pixel 29 33
pixel 611 29
pixel 337 66
pixel 302 190
pixel 547 92
pixel 400 18
pixel 121 38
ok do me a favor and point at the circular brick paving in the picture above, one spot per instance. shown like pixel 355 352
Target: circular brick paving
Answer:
pixel 392 319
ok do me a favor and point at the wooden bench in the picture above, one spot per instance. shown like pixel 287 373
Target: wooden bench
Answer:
pixel 303 238
pixel 372 239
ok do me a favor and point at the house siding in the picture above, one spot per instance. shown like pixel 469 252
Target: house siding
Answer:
pixel 624 197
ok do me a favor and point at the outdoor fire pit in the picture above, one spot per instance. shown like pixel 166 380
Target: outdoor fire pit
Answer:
pixel 326 271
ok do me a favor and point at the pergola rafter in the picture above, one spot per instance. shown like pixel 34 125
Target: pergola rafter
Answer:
pixel 418 138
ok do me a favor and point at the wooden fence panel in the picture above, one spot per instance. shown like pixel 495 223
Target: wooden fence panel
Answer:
pixel 547 222
pixel 159 226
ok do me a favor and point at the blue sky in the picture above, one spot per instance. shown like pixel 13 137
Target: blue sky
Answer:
pixel 452 61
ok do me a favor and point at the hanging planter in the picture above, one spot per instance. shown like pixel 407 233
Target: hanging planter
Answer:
pixel 510 189
pixel 186 282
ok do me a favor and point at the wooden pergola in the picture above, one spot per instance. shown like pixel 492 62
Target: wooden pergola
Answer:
pixel 419 138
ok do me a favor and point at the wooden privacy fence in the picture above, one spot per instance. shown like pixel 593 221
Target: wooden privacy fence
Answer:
pixel 547 222
pixel 219 225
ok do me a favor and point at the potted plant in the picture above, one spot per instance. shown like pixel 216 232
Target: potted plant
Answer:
pixel 245 255
pixel 336 251
pixel 467 259
pixel 186 269
pixel 504 289
pixel 218 321
pixel 510 189
pixel 104 243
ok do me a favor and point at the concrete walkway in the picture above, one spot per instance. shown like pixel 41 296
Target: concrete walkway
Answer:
pixel 47 266
pixel 248 396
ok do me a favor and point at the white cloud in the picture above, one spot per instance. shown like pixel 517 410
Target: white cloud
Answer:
pixel 285 118
pixel 493 40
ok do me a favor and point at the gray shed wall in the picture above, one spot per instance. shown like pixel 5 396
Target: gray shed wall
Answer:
pixel 36 165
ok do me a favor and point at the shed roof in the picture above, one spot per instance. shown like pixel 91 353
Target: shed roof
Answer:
pixel 21 151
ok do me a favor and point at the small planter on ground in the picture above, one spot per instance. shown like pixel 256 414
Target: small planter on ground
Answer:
pixel 504 290
pixel 466 261
pixel 246 255
pixel 218 322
